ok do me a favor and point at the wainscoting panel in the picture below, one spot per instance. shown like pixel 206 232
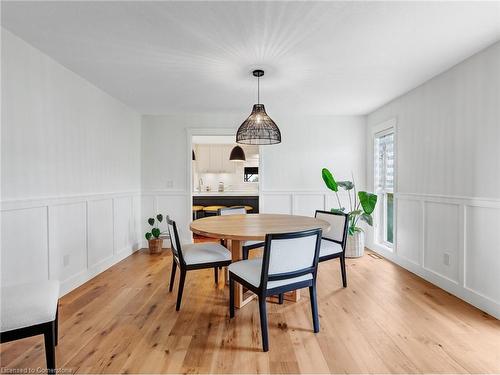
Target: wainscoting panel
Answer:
pixel 441 239
pixel 24 246
pixel 67 240
pixel 124 230
pixel 307 204
pixel 409 220
pixel 301 202
pixel 276 203
pixel 175 206
pixel 148 209
pixel 100 231
pixel 70 239
pixel 482 251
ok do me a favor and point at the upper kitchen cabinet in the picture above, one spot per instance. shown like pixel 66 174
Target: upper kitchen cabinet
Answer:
pixel 214 159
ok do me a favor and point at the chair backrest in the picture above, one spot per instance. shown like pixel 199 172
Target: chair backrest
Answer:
pixel 339 223
pixel 174 240
pixel 231 211
pixel 289 255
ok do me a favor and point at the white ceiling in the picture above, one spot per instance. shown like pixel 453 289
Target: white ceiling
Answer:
pixel 319 57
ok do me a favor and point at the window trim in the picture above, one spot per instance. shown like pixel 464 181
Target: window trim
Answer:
pixel 381 129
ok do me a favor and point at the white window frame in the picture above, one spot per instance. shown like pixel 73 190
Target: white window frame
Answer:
pixel 380 219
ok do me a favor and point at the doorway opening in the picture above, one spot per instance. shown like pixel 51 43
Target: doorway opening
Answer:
pixel 222 174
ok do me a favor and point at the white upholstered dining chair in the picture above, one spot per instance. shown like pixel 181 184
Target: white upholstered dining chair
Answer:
pixel 194 257
pixel 290 262
pixel 333 241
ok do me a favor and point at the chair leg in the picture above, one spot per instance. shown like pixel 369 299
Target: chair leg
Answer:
pixel 56 327
pixel 342 270
pixel 281 298
pixel 216 274
pixel 50 347
pixel 314 307
pixel 263 323
pixel 181 288
pixel 172 276
pixel 231 297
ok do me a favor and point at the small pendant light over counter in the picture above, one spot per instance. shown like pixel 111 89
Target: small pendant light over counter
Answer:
pixel 258 128
pixel 193 157
pixel 237 154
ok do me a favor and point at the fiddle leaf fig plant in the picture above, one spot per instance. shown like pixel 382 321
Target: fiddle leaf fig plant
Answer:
pixel 361 204
pixel 155 231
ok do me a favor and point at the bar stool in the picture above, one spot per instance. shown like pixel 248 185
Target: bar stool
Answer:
pixel 196 210
pixel 247 208
pixel 212 210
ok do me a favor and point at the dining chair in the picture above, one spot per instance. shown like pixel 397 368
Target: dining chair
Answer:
pixel 195 256
pixel 29 310
pixel 333 241
pixel 241 210
pixel 289 262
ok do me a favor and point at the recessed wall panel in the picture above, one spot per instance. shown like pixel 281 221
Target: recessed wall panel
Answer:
pixel 482 251
pixel 68 240
pixel 442 234
pixel 24 246
pixel 100 231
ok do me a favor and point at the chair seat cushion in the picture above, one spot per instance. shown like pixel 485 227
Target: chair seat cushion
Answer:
pixel 329 248
pixel 250 270
pixel 27 305
pixel 208 252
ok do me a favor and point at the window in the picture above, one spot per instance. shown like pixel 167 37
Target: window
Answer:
pixel 251 174
pixel 384 185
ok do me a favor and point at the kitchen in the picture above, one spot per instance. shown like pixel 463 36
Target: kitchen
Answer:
pixel 224 175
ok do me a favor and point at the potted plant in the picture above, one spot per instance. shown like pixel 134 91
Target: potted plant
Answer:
pixel 361 207
pixel 153 236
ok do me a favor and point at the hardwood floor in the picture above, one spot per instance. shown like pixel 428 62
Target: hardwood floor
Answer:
pixel 387 321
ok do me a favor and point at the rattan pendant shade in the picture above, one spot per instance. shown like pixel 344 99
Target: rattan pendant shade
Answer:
pixel 258 128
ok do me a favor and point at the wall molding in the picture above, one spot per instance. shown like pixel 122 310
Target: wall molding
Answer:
pixel 17 204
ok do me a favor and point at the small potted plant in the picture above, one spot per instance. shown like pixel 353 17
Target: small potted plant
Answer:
pixel 361 207
pixel 153 237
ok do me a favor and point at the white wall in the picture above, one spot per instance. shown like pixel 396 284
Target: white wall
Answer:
pixel 448 179
pixel 291 172
pixel 70 199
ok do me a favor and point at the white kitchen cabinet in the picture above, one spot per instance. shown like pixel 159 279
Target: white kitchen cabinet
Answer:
pixel 203 158
pixel 214 159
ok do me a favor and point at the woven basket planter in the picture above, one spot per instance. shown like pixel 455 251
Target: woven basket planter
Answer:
pixel 355 247
pixel 155 245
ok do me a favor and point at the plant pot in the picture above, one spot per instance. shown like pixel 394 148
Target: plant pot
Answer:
pixel 355 245
pixel 155 245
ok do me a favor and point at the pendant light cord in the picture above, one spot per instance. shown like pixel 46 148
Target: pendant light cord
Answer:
pixel 258 90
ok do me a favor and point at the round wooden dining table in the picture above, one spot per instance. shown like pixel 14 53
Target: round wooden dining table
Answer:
pixel 236 229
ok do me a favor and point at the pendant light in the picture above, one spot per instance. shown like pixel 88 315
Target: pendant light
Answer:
pixel 258 128
pixel 237 154
pixel 193 156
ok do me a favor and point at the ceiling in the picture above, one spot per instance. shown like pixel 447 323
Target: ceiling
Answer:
pixel 197 57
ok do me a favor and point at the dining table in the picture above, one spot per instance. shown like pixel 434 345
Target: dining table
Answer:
pixel 235 230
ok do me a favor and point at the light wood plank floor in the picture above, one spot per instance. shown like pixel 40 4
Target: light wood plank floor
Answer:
pixel 387 321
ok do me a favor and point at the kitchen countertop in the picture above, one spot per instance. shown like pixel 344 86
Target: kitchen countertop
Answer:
pixel 227 193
